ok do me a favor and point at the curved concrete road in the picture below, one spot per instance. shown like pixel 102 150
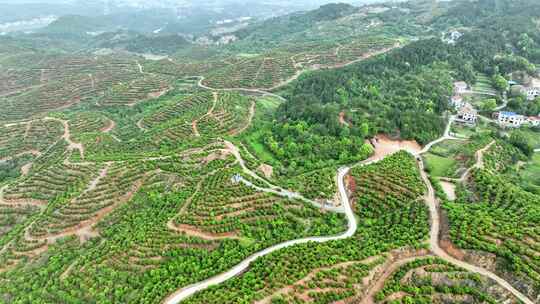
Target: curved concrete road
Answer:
pixel 435 221
pixel 431 200
pixel 238 269
pixel 446 136
pixel 434 207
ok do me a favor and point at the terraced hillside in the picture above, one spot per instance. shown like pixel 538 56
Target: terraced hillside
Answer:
pixel 499 229
pixel 266 164
pixel 271 70
pixel 347 270
pixel 431 280
pixel 93 215
pixel 58 81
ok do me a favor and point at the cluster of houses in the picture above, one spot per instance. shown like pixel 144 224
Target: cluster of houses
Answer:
pixel 514 120
pixel 531 92
pixel 468 115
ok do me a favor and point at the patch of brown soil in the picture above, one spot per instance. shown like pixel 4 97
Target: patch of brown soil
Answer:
pixel 221 155
pixel 385 146
pixel 267 170
pixel 158 94
pixel 195 232
pixel 445 242
pixel 26 169
pixel 342 119
pixel 449 189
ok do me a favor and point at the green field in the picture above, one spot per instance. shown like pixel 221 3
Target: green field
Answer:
pixel 440 166
pixel 532 136
pixel 484 84
pixel 530 175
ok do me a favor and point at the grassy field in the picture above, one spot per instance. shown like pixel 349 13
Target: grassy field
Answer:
pixel 451 157
pixel 440 166
pixel 462 131
pixel 253 139
pixel 533 137
pixel 531 174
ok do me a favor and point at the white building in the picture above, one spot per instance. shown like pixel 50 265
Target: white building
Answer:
pixel 511 119
pixel 532 93
pixel 457 102
pixel 534 121
pixel 467 114
pixel 460 87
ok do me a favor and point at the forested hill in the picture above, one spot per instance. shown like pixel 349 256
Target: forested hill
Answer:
pixel 405 92
pixel 485 12
pixel 278 27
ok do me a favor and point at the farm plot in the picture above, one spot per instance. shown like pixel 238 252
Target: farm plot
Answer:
pixel 347 51
pixel 431 280
pixel 328 285
pixel 502 157
pixel 264 71
pixel 484 85
pixel 393 184
pixel 11 216
pixel 499 229
pixel 185 110
pixel 150 86
pixel 113 185
pixel 389 217
pixel 273 69
pixel 203 115
pixel 180 69
pixel 452 157
pixel 87 122
pixel 28 138
pixel 68 80
pixel 14 82
pixel 47 184
pixel 233 210
pixel 231 114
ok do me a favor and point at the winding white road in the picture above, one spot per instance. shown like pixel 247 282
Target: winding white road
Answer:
pixel 434 210
pixel 446 136
pixel 434 207
pixel 238 269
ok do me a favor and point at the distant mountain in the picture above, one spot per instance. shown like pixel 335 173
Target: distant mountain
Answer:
pixel 273 28
pixel 160 44
pixel 146 21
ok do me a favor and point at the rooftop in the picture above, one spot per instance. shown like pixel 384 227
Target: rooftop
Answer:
pixel 461 84
pixel 505 113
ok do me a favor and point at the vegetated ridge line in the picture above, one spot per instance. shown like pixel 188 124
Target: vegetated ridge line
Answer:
pixel 264 91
